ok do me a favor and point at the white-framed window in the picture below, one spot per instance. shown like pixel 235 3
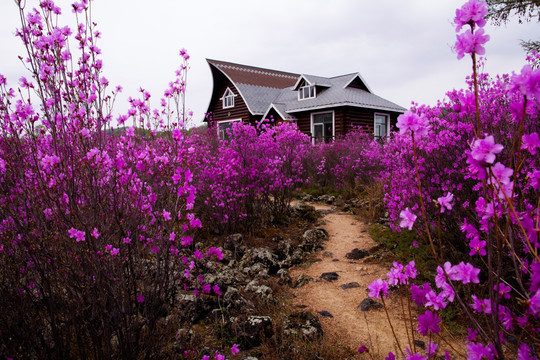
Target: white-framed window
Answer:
pixel 228 99
pixel 381 126
pixel 224 128
pixel 322 127
pixel 306 92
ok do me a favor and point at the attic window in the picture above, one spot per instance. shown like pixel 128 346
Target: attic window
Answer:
pixel 306 92
pixel 228 99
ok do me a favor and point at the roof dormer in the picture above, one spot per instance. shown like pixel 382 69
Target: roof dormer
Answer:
pixel 307 86
pixel 228 99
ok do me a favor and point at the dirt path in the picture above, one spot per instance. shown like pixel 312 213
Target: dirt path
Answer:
pixel 349 326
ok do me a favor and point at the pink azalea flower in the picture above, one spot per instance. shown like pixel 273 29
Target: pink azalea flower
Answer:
pixel 407 219
pixel 140 298
pixel 485 149
pixel 477 351
pixel 534 304
pixel 378 288
pixel 362 349
pixel 234 349
pixel 530 142
pixel 477 247
pixel 446 201
pixel 115 251
pixel 166 215
pixel 528 82
pixel 469 42
pixel 76 234
pixel 410 121
pixel 427 323
pixel 95 233
pixel 471 13
pixel 525 353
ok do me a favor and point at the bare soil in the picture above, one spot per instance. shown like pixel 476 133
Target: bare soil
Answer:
pixel 350 326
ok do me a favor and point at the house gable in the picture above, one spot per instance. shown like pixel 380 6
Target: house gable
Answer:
pixel 357 83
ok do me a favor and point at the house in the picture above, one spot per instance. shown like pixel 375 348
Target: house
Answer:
pixel 321 107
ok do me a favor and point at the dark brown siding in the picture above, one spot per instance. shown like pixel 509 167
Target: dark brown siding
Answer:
pixel 240 109
pixel 345 118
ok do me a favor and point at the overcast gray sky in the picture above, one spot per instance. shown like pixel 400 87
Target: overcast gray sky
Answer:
pixel 401 48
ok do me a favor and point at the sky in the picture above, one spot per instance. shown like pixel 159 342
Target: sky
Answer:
pixel 402 49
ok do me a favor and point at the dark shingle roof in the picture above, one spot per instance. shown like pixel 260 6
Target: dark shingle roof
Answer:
pixel 251 75
pixel 263 88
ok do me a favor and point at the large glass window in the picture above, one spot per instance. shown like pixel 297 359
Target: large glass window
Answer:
pixel 224 129
pixel 323 127
pixel 306 92
pixel 381 126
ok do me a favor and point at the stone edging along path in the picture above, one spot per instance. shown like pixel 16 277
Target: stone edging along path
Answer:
pixel 337 301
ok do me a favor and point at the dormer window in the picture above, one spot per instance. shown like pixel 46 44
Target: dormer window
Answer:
pixel 228 99
pixel 306 92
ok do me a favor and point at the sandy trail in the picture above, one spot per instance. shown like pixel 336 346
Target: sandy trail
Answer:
pixel 350 326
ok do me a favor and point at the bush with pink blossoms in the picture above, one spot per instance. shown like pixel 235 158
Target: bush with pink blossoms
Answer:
pixel 96 223
pixel 247 181
pixel 466 171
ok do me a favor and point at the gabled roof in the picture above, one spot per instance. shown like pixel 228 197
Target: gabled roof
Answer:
pixel 251 75
pixel 266 89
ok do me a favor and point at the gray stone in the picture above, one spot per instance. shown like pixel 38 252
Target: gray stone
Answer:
pixel 368 304
pixel 265 257
pixel 250 331
pixel 262 291
pixel 233 299
pixel 305 211
pixel 302 280
pixel 350 285
pixel 312 239
pixel 325 314
pixel 357 254
pixel 284 277
pixel 329 276
pixel 304 325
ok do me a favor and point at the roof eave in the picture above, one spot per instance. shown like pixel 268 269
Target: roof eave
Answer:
pixel 320 107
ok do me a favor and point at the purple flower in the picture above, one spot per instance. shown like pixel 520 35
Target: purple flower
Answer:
pixel 477 247
pixel 436 300
pixel 470 42
pixel 410 121
pixel 415 356
pixel 76 234
pixel 485 149
pixel 115 251
pixel 477 351
pixel 524 353
pixel 234 349
pixel 390 356
pixel 530 142
pixel 140 298
pixel 427 323
pixel 501 173
pixel 466 273
pixel 503 290
pixel 446 201
pixel 534 304
pixel 362 349
pixel 471 13
pixel 481 305
pixel 418 294
pixel 378 287
pixel 528 82
pixel 407 219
